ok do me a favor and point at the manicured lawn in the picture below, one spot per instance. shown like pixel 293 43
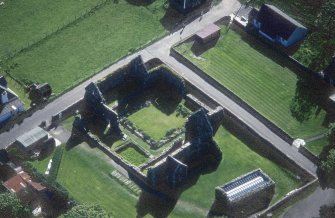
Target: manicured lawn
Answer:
pixel 84 173
pixel 238 159
pixel 252 71
pixel 133 156
pixel 23 22
pixel 154 122
pixel 84 48
pixel 317 146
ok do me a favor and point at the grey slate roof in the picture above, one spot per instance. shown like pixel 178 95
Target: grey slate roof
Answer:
pixel 275 22
pixel 32 136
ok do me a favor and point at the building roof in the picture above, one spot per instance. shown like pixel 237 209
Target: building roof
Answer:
pixel 274 22
pixel 15 184
pixel 13 101
pixel 32 137
pixel 247 184
pixel 36 185
pixel 20 181
pixel 208 31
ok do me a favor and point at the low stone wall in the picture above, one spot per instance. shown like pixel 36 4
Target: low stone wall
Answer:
pixel 245 133
pixel 67 112
pixel 307 153
pixel 290 198
pixel 177 144
pixel 132 145
pixel 236 126
pixel 230 94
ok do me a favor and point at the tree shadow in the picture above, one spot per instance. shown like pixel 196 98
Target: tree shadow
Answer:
pixel 174 20
pixel 311 96
pixel 139 2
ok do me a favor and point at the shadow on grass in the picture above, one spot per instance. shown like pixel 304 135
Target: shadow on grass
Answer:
pixel 160 205
pixel 200 48
pixel 139 2
pixel 173 20
pixel 311 96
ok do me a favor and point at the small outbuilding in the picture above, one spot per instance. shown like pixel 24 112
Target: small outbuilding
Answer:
pixel 277 26
pixel 32 140
pixel 244 195
pixel 207 34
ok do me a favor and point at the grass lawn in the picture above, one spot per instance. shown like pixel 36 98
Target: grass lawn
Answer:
pixel 154 122
pixel 238 159
pixel 19 90
pixel 42 165
pixel 84 48
pixel 317 146
pixel 82 164
pixel 23 22
pixel 133 156
pixel 259 80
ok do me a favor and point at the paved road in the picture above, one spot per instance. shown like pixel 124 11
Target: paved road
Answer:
pixel 161 49
pixel 309 207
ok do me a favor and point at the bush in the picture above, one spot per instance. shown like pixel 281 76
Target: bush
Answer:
pixel 56 161
pixel 10 206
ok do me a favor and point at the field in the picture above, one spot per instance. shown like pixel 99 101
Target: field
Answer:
pixel 132 156
pixel 81 164
pixel 317 146
pixel 25 22
pixel 238 159
pixel 154 122
pixel 259 76
pixel 87 45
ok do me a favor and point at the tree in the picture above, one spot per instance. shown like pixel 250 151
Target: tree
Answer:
pixel 86 211
pixel 327 167
pixel 11 207
pixel 327 211
pixel 324 37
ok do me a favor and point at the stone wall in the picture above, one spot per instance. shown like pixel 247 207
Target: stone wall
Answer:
pixel 67 112
pixel 307 153
pixel 230 94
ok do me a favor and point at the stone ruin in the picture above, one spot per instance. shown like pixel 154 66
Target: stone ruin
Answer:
pixel 244 195
pixel 97 104
pixel 198 154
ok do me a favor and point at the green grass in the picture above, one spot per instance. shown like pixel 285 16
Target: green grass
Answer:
pixel 154 122
pixel 25 22
pixel 238 159
pixel 84 173
pixel 132 156
pixel 19 91
pixel 317 146
pixel 67 123
pixel 41 165
pixel 84 48
pixel 257 78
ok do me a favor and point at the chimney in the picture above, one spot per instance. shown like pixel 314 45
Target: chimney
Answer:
pixel 4 97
